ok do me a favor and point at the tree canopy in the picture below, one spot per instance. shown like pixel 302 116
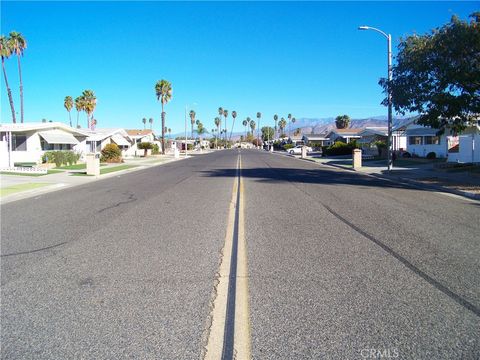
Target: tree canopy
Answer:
pixel 342 121
pixel 438 75
pixel 267 133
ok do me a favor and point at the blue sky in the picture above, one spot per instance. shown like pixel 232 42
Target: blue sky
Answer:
pixel 304 58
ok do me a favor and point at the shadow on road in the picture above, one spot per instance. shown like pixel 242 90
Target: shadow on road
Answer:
pixel 308 176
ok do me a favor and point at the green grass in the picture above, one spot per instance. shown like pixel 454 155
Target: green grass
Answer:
pixel 107 170
pixel 30 174
pixel 115 168
pixel 21 187
pixel 76 167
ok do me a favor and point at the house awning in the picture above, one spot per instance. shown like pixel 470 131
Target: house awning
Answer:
pixel 58 137
pixel 120 140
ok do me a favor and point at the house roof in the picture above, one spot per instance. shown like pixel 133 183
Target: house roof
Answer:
pixel 381 130
pixel 135 132
pixel 100 134
pixel 423 131
pixel 346 132
pixel 313 137
pixel 35 126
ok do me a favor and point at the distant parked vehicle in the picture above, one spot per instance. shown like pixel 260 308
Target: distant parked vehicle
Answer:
pixel 297 150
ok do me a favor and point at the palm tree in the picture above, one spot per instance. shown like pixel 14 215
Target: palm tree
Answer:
pixel 78 106
pixel 225 114
pixel 282 124
pixel 192 119
pixel 218 123
pixel 163 90
pixel 169 132
pixel 234 115
pixel 293 121
pixel 144 121
pixel 252 126
pixel 150 121
pixel 245 123
pixel 289 117
pixel 275 118
pixel 5 52
pixel 68 104
pixel 18 45
pixel 89 104
pixel 342 121
pixel 259 115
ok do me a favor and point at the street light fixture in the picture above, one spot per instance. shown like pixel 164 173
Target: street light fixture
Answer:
pixel 389 92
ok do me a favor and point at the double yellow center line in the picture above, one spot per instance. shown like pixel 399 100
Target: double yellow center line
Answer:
pixel 229 336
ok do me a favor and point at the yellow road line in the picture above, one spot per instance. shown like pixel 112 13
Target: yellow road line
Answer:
pixel 216 336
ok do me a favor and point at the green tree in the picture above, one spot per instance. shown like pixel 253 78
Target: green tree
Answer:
pixel 245 123
pixel 18 44
pixel 438 75
pixel 78 106
pixel 259 116
pixel 89 101
pixel 145 146
pixel 163 91
pixel 150 121
pixel 275 118
pixel 253 126
pixel 234 116
pixel 267 133
pixel 225 115
pixel 342 121
pixel 282 124
pixel 144 121
pixel 218 123
pixel 192 119
pixel 6 52
pixel 68 104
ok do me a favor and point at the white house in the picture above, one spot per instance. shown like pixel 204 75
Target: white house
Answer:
pixel 316 139
pixel 97 139
pixel 345 135
pixel 27 142
pixel 136 137
pixel 466 147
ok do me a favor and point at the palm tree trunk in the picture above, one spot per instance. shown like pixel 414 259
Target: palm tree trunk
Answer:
pixel 21 88
pixel 233 124
pixel 70 118
pixel 163 132
pixel 78 115
pixel 10 99
pixel 226 132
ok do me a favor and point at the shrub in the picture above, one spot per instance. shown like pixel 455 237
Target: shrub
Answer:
pixel 288 146
pixel 406 154
pixel 111 153
pixel 61 157
pixel 155 149
pixel 431 155
pixel 381 147
pixel 145 146
pixel 340 148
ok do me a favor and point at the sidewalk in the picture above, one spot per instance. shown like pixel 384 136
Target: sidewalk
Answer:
pixel 464 183
pixel 16 187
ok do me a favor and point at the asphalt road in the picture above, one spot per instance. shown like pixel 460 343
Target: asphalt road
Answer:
pixel 339 265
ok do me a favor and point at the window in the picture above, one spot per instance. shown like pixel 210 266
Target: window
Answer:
pixel 45 145
pixel 19 142
pixel 432 140
pixel 415 140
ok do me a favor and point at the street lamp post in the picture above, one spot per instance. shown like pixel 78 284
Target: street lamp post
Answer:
pixel 389 92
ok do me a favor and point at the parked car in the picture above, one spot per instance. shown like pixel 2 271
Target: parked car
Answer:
pixel 297 150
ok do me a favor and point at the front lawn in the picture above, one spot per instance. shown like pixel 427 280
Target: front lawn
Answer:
pixel 21 187
pixel 30 174
pixel 76 167
pixel 107 170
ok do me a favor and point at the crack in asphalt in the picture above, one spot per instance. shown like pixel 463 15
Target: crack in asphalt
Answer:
pixel 417 271
pixel 36 250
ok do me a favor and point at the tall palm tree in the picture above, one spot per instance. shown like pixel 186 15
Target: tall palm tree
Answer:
pixel 245 123
pixel 192 119
pixel 68 104
pixel 275 118
pixel 289 117
pixel 89 104
pixel 293 120
pixel 78 106
pixel 18 46
pixel 259 115
pixel 5 52
pixel 169 131
pixel 144 121
pixel 234 115
pixel 225 114
pixel 163 90
pixel 218 123
pixel 150 121
pixel 252 126
pixel 282 124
